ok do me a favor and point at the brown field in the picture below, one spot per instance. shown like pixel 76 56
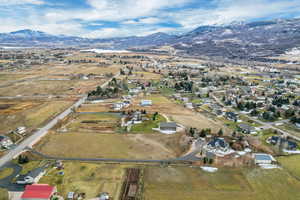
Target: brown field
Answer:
pixel 92 145
pixel 31 114
pixel 93 123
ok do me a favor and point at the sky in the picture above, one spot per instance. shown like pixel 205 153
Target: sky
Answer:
pixel 120 18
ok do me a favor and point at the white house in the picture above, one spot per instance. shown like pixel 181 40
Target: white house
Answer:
pixel 5 142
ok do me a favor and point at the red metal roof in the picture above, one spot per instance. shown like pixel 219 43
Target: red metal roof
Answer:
pixel 38 191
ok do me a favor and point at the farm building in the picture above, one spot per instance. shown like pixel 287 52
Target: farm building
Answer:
pixel 168 127
pixel 261 158
pixel 38 192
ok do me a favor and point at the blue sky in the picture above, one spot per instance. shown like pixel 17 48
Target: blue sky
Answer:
pixel 114 18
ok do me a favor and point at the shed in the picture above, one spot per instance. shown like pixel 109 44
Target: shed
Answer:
pixel 168 126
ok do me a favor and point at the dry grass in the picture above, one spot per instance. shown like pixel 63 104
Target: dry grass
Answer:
pixel 31 114
pixel 193 184
pixel 92 145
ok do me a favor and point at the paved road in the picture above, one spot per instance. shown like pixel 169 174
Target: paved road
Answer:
pixel 35 137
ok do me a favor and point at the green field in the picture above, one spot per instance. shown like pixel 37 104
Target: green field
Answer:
pixel 146 126
pixel 91 179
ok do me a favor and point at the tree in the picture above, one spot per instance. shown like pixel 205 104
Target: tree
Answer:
pixel 154 116
pixel 220 133
pixel 233 134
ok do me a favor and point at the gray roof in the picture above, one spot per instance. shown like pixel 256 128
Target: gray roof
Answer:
pixel 246 127
pixel 262 157
pixel 168 125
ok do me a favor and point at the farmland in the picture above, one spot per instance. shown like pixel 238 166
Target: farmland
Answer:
pixel 29 113
pixel 94 145
pixel 192 183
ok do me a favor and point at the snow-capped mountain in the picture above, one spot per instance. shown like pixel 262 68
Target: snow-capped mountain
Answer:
pixel 255 40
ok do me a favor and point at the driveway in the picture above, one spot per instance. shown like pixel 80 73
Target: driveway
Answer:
pixel 7 182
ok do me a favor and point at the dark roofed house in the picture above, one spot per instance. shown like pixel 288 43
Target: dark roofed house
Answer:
pixel 286 144
pixel 218 144
pixel 231 116
pixel 247 129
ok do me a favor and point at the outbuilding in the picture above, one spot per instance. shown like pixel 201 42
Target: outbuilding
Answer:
pixel 262 158
pixel 38 192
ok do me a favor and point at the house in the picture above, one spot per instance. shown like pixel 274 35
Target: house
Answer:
pixel 168 127
pixel 118 106
pixel 31 177
pixel 231 116
pixel 146 103
pixel 261 158
pixel 286 144
pixel 38 192
pixel 247 129
pixel 5 142
pixel 218 144
pixel 21 130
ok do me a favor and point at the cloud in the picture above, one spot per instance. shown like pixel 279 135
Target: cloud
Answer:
pixel 126 31
pixel 227 11
pixel 137 17
pixel 147 20
pixel 20 2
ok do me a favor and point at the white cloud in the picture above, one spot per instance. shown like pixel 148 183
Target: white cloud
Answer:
pixel 125 31
pixel 139 17
pixel 20 2
pixel 227 11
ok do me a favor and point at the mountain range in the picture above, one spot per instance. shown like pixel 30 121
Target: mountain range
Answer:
pixel 250 41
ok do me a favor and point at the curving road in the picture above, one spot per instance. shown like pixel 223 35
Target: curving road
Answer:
pixel 36 136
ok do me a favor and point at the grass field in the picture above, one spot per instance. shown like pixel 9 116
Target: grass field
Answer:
pixel 291 163
pixel 193 184
pixel 91 179
pixel 5 172
pixel 93 122
pixel 95 145
pixel 3 194
pixel 31 114
pixel 146 126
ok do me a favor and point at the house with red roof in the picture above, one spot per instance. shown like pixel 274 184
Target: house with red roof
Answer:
pixel 38 192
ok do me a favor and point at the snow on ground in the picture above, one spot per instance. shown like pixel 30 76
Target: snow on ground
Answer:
pixel 209 169
pixel 105 51
pixel 269 166
pixel 291 152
